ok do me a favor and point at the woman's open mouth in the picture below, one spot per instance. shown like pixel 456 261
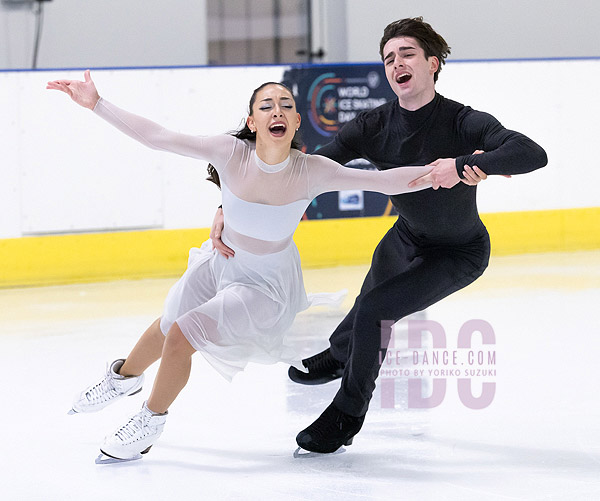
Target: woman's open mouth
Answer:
pixel 278 129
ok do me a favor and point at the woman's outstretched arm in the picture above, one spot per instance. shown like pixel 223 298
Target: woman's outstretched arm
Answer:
pixel 327 175
pixel 141 129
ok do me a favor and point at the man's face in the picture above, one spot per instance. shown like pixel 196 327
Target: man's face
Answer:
pixel 409 72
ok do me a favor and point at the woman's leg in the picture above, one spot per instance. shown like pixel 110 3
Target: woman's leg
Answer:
pixel 147 351
pixel 142 430
pixel 174 370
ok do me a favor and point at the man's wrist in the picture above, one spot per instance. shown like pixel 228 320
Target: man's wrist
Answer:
pixel 460 166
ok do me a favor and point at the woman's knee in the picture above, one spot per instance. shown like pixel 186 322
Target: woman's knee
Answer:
pixel 176 342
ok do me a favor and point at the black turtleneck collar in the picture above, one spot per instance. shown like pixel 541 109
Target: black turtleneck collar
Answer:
pixel 413 119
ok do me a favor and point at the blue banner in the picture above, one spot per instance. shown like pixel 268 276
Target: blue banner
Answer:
pixel 327 97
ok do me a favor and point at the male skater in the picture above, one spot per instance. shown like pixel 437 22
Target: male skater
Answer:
pixel 438 245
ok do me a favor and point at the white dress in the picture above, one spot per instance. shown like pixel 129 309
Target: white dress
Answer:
pixel 238 310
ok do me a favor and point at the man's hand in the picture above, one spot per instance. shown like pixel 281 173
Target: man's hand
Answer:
pixel 215 235
pixel 443 174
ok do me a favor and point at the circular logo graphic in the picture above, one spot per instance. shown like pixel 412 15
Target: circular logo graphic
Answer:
pixel 322 101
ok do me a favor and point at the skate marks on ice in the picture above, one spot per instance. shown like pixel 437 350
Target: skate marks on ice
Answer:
pixel 301 453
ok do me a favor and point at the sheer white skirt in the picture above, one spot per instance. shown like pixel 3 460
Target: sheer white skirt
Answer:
pixel 238 310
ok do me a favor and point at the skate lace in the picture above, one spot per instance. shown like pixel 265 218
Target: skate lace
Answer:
pixel 102 391
pixel 323 362
pixel 133 427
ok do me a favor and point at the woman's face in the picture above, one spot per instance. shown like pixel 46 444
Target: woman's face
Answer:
pixel 274 114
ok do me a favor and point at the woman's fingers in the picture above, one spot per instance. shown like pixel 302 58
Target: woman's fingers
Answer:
pixel 473 175
pixel 61 86
pixel 469 176
pixel 83 93
pixel 480 173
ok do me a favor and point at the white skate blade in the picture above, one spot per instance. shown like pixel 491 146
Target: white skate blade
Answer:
pixel 104 459
pixel 71 412
pixel 301 453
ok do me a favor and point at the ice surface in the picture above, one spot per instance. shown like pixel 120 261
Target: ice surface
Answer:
pixel 538 439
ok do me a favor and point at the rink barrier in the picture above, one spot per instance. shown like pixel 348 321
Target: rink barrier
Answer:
pixel 91 257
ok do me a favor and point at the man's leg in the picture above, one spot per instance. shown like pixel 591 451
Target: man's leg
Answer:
pixel 431 277
pixel 435 277
pixel 394 252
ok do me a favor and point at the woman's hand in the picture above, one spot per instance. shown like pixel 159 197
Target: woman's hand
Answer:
pixel 443 174
pixel 474 175
pixel 83 93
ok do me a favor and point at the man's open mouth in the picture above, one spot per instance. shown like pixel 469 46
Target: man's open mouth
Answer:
pixel 403 78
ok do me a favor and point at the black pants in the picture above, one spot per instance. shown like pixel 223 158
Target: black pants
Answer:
pixel 406 276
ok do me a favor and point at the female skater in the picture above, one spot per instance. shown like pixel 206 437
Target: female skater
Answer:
pixel 235 310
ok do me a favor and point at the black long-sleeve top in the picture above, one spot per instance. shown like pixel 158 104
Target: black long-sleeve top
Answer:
pixel 390 136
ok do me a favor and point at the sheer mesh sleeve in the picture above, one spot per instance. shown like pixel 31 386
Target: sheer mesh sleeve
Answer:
pixel 214 149
pixel 327 175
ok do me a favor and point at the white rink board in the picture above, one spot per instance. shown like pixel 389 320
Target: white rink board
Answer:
pixel 65 170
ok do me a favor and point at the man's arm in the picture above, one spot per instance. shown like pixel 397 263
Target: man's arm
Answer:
pixel 346 145
pixel 506 152
pixel 335 150
pixel 444 174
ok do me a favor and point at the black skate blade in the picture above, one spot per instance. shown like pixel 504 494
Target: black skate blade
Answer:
pixel 104 458
pixel 301 453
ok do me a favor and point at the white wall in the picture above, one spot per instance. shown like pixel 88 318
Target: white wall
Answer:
pixel 111 33
pixel 553 102
pixel 330 29
pixel 65 170
pixel 106 33
pixel 483 29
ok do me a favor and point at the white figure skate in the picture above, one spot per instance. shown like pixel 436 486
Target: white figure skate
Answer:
pixel 109 389
pixel 134 438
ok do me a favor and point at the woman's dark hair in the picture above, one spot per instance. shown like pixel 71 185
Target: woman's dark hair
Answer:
pixel 246 133
pixel 430 41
